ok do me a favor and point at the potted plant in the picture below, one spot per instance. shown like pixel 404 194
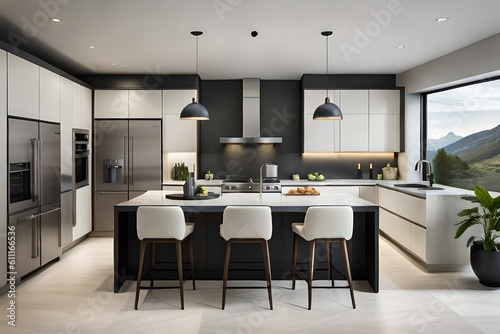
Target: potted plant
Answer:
pixel 208 175
pixel 485 251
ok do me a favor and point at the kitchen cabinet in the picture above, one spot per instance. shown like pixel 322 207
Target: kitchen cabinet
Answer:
pixel 111 104
pixel 384 121
pixel 86 109
pixel 370 122
pixel 83 224
pixel 23 87
pixel 403 219
pixel 319 136
pixel 354 126
pixel 368 193
pixel 50 99
pixel 3 168
pixel 76 96
pixel 144 104
pixel 178 135
pixel 125 104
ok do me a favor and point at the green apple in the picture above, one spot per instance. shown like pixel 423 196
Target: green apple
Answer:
pixel 311 177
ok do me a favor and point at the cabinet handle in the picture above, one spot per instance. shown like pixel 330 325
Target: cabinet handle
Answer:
pixel 34 242
pixel 132 160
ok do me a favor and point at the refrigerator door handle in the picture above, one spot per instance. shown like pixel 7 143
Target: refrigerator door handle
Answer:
pixel 125 160
pixel 33 169
pixel 132 160
pixel 34 243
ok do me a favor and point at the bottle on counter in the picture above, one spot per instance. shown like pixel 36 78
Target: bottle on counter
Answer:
pixel 360 173
pixel 189 185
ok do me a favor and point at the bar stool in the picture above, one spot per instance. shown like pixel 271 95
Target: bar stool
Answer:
pixel 247 224
pixel 324 224
pixel 163 224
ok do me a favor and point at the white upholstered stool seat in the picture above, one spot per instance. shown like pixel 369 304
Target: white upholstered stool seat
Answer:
pixel 163 224
pixel 247 224
pixel 326 224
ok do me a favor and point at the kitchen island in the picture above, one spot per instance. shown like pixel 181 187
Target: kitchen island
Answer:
pixel 210 247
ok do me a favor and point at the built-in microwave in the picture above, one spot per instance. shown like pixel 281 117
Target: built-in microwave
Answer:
pixel 81 157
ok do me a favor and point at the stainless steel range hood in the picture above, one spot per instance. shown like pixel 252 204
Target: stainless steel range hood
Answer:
pixel 251 117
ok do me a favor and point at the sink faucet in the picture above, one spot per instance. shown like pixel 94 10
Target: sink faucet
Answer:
pixel 430 176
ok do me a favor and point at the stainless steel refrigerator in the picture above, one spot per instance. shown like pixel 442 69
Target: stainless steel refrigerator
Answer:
pixel 128 162
pixel 34 192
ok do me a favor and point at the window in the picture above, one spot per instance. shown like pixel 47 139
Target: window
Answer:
pixel 463 135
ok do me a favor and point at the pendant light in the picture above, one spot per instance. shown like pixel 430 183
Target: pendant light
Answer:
pixel 328 110
pixel 195 111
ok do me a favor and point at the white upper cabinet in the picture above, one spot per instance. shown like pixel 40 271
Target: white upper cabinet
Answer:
pixel 111 104
pixel 76 105
pixel 23 87
pixel 66 126
pixel 85 108
pixel 384 131
pixel 128 104
pixel 50 96
pixel 319 136
pixel 354 125
pixel 176 99
pixel 178 135
pixel 144 104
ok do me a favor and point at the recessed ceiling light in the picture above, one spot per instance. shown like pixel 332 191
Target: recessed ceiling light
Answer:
pixel 442 19
pixel 400 47
pixel 55 20
pixel 113 64
pixel 92 47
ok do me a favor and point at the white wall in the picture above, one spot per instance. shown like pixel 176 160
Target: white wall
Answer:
pixel 477 61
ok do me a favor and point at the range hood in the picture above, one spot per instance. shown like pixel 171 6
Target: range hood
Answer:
pixel 251 117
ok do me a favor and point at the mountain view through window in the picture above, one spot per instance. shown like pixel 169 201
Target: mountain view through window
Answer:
pixel 463 135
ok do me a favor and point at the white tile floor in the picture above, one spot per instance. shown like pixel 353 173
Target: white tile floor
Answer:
pixel 75 295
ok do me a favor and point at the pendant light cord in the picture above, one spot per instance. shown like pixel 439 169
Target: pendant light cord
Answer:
pixel 326 66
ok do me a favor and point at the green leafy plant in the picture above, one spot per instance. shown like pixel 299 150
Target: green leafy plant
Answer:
pixel 488 217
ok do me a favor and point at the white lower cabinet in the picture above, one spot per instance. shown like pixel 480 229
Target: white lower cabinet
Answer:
pixel 83 212
pixel 403 218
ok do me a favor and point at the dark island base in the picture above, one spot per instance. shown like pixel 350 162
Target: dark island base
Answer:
pixel 246 259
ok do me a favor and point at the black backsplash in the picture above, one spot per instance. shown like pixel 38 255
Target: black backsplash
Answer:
pixel 280 112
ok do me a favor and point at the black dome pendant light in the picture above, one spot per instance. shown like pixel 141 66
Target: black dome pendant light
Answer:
pixel 328 110
pixel 195 111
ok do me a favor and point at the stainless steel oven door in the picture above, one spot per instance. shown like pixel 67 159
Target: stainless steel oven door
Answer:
pixel 81 170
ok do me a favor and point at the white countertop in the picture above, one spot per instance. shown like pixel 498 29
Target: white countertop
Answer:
pixel 157 197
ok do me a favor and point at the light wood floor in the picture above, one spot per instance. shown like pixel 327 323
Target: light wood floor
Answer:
pixel 75 295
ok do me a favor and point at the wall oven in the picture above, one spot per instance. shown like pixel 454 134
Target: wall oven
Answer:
pixel 81 157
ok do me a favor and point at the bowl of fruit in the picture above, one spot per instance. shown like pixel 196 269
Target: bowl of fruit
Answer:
pixel 315 176
pixel 201 191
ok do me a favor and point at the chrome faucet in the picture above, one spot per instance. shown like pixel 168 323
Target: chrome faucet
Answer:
pixel 430 176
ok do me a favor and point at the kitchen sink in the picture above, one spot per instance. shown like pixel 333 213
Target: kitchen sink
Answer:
pixel 418 186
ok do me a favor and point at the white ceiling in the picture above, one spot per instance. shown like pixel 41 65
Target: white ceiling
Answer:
pixel 154 35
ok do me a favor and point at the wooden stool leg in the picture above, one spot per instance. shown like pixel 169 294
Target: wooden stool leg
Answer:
pixel 139 271
pixel 191 259
pixel 267 264
pixel 153 260
pixel 294 258
pixel 312 245
pixel 329 260
pixel 348 271
pixel 178 247
pixel 226 269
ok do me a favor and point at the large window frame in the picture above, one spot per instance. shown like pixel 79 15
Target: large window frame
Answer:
pixel 474 176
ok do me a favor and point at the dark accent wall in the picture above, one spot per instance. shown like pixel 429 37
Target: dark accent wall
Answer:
pixel 281 116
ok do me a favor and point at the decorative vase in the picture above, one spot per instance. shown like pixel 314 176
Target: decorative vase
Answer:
pixel 486 266
pixel 189 185
pixel 209 177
